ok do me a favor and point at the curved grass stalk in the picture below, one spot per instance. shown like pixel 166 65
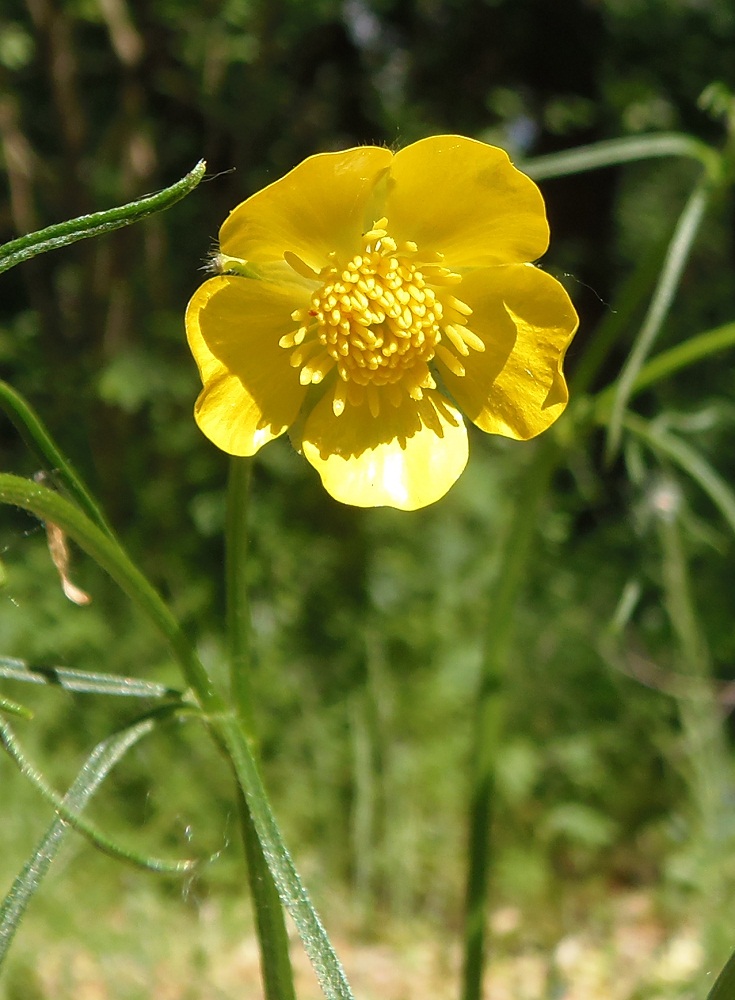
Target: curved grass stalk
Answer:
pixel 613 152
pixel 109 554
pixel 64 233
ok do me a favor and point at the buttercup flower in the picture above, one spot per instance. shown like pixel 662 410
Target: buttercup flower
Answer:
pixel 365 299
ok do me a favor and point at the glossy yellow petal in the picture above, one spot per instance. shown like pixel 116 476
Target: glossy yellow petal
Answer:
pixel 319 207
pixel 408 456
pixel 515 387
pixel 251 393
pixel 465 199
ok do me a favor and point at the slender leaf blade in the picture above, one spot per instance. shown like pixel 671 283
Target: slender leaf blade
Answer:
pixel 724 988
pixel 95 769
pixel 70 816
pixel 83 681
pixel 64 233
pixel 690 460
pixel 612 152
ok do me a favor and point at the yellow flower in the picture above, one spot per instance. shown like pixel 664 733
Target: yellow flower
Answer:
pixel 364 299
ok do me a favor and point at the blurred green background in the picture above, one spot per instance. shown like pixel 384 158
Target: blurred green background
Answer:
pixel 368 624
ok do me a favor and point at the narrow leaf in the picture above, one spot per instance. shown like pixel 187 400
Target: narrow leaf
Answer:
pixel 72 817
pixel 688 459
pixel 83 681
pixel 677 255
pixel 13 708
pixel 64 233
pixel 693 349
pixel 318 947
pixel 615 151
pixel 96 768
pixel 37 437
pixel 724 988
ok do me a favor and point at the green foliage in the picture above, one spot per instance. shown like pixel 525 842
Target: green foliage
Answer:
pixel 367 625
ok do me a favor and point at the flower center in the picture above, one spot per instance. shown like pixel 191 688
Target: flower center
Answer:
pixel 379 322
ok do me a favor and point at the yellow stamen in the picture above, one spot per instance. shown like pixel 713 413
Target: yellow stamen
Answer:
pixel 453 363
pixel 377 320
pixel 300 266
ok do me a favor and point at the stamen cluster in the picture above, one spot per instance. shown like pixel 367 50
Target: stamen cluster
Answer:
pixel 379 321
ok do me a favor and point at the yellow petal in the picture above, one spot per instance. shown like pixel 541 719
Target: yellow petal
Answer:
pixel 251 393
pixel 319 207
pixel 465 199
pixel 526 320
pixel 406 457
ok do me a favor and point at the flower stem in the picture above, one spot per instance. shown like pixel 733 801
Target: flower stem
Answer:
pixel 273 939
pixel 238 607
pixel 490 706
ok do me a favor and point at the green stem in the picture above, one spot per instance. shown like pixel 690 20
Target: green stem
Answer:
pixel 490 706
pixel 275 956
pixel 270 924
pixel 703 734
pixel 13 708
pixel 236 574
pixel 64 233
pixel 324 961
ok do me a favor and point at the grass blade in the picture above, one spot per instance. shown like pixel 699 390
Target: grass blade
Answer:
pixel 701 345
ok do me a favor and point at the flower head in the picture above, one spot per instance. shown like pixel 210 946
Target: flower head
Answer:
pixel 365 299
